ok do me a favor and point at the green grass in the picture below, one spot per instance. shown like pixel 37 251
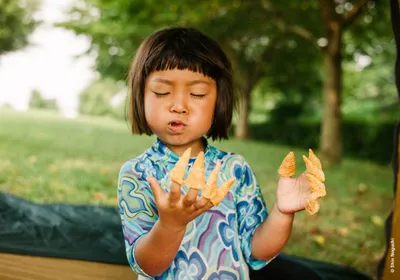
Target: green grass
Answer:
pixel 46 158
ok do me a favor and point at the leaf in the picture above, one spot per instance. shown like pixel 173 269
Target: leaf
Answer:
pixel 52 167
pixel 319 239
pixel 343 231
pixel 99 195
pixel 32 159
pixel 376 220
pixel 362 188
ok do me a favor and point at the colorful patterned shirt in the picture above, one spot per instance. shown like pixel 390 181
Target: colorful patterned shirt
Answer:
pixel 216 244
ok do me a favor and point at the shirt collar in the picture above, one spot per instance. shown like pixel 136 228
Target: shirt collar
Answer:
pixel 164 155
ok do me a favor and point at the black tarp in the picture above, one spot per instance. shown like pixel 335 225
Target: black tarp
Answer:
pixel 94 233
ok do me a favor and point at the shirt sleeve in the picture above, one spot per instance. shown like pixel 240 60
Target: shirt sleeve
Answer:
pixel 251 211
pixel 137 208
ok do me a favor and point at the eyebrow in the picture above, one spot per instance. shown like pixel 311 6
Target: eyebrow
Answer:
pixel 191 83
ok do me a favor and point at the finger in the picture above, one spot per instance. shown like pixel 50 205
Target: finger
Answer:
pixel 190 197
pixel 155 188
pixel 288 166
pixel 203 203
pixel 174 193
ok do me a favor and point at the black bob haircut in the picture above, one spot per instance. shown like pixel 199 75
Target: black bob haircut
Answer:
pixel 182 48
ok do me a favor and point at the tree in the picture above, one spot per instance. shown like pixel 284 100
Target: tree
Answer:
pixel 16 23
pixel 97 99
pixel 36 101
pixel 258 49
pixel 326 26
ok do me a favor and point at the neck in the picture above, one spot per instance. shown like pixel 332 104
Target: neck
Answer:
pixel 197 146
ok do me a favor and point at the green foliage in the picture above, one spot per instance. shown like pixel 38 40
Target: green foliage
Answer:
pixel 116 29
pixel 36 101
pixel 16 23
pixel 261 52
pixel 360 139
pixel 370 32
pixel 370 94
pixel 104 97
pixel 265 39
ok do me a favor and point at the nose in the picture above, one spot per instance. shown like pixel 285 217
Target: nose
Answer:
pixel 179 105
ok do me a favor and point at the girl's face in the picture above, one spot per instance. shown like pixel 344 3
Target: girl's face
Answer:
pixel 179 107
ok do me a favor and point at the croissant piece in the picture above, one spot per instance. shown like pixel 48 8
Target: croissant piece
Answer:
pixel 313 158
pixel 312 206
pixel 288 166
pixel 219 194
pixel 178 172
pixel 212 181
pixel 316 186
pixel 195 179
pixel 313 169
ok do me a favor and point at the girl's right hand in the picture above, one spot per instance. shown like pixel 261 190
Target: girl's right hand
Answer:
pixel 174 209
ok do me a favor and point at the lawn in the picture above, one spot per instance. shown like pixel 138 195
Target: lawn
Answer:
pixel 46 158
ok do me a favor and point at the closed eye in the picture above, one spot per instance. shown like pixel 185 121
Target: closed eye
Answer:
pixel 160 94
pixel 200 96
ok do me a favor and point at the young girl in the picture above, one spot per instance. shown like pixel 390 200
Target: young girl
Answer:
pixel 181 90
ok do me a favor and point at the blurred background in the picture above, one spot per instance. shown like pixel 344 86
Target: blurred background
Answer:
pixel 313 74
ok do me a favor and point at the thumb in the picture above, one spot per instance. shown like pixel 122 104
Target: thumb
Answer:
pixel 155 187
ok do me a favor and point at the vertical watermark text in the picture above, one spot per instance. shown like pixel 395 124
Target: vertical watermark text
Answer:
pixel 392 252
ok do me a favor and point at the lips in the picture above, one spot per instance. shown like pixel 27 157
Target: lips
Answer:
pixel 176 122
pixel 176 126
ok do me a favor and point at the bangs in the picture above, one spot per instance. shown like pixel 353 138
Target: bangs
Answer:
pixel 182 55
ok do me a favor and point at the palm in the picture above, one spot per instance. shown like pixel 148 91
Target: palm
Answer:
pixel 292 193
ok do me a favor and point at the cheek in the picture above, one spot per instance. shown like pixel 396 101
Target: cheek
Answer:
pixel 150 108
pixel 206 110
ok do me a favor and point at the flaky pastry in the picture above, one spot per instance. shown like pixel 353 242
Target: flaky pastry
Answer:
pixel 178 172
pixel 288 166
pixel 219 193
pixel 313 169
pixel 195 179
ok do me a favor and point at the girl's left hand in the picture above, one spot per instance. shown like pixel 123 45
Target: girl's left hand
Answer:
pixel 295 194
pixel 292 194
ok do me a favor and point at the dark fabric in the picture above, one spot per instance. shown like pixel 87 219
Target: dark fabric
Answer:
pixel 395 19
pixel 94 233
pixel 286 267
pixel 60 230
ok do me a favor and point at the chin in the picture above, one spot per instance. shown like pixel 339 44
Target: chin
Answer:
pixel 178 140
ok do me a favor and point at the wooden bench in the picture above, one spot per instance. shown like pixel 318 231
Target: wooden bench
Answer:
pixel 22 267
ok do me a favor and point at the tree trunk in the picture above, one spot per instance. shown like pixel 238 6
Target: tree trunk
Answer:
pixel 331 125
pixel 242 127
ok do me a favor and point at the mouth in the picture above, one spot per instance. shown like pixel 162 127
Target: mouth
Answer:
pixel 176 123
pixel 176 126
